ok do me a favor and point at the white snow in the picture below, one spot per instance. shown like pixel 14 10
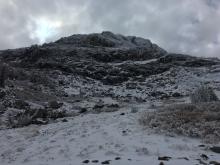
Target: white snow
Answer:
pixel 96 137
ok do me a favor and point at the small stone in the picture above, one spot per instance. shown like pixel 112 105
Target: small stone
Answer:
pixel 106 162
pixel 204 157
pixel 95 161
pixel 161 163
pixel 117 158
pixel 86 161
pixel 64 120
pixel 122 114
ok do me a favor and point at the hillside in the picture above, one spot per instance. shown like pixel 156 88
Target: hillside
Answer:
pixel 80 98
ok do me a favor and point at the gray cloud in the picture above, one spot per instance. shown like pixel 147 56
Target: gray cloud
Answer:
pixel 183 26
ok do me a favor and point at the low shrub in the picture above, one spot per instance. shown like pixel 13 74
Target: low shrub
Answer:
pixel 203 94
pixel 193 120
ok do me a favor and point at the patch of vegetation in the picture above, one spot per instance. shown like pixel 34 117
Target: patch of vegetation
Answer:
pixel 194 120
pixel 203 94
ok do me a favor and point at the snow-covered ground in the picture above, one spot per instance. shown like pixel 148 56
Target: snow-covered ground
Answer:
pixel 105 136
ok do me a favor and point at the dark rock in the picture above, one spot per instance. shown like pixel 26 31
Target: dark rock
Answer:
pixel 117 158
pixel 164 158
pixel 106 162
pixel 86 161
pixel 215 149
pixel 124 132
pixel 204 157
pixel 122 114
pixel 95 161
pixel 161 163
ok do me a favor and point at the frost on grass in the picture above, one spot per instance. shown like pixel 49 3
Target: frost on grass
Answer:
pixel 15 118
pixel 194 120
pixel 203 94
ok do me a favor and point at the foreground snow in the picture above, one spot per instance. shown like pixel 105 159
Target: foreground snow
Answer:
pixel 99 137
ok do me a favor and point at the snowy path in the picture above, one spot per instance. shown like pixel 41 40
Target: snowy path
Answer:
pixel 101 137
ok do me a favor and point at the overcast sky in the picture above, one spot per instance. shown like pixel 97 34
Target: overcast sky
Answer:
pixel 185 26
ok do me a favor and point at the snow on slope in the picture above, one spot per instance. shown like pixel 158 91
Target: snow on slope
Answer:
pixel 97 137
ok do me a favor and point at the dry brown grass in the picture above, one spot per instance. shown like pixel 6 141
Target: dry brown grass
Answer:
pixel 194 120
pixel 203 94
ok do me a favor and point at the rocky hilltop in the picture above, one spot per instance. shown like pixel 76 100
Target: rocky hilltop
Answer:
pixel 80 68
